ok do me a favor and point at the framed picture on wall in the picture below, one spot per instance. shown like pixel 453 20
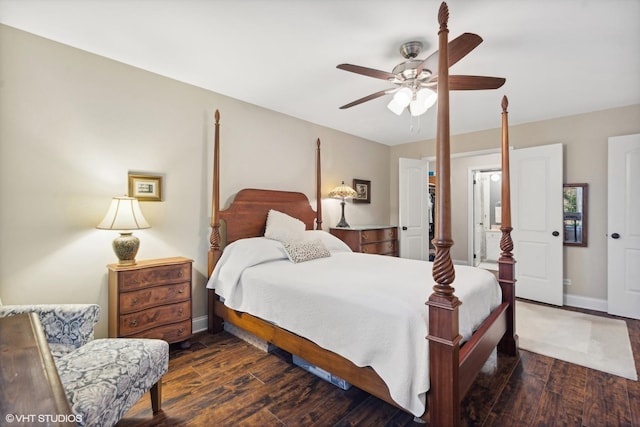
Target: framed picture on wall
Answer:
pixel 363 190
pixel 146 188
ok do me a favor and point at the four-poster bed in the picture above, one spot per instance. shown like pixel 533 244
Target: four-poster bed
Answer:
pixel 452 367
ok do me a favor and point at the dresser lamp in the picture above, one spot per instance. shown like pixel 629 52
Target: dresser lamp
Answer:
pixel 343 192
pixel 124 215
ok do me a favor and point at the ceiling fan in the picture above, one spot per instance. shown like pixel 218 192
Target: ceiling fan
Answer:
pixel 416 80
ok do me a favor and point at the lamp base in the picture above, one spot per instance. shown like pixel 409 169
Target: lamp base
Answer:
pixel 343 222
pixel 126 247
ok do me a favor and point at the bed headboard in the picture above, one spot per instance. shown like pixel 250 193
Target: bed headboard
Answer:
pixel 247 214
pixel 250 207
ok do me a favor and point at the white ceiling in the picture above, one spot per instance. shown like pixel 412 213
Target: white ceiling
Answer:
pixel 560 57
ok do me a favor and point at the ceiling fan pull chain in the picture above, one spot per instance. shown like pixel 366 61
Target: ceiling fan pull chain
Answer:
pixel 412 127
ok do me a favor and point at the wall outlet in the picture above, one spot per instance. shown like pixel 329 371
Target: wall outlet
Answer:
pixel 566 282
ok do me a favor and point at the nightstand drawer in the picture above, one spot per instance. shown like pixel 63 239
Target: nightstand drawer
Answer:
pixel 170 333
pixel 379 247
pixel 153 317
pixel 137 279
pixel 378 235
pixel 151 297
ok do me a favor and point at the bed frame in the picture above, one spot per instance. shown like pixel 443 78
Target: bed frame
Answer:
pixel 453 367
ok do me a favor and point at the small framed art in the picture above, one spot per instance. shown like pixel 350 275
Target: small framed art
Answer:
pixel 363 190
pixel 146 188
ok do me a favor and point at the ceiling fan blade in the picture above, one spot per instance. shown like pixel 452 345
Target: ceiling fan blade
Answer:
pixel 473 82
pixel 367 98
pixel 458 48
pixel 370 72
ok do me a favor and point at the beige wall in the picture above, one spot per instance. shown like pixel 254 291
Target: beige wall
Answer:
pixel 73 124
pixel 584 138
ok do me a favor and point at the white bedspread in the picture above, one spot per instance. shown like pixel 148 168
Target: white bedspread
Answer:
pixel 368 308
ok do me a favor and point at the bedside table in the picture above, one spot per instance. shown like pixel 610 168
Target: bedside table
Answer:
pixel 370 239
pixel 151 299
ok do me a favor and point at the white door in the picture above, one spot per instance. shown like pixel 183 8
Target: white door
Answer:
pixel 414 215
pixel 536 204
pixel 623 233
pixel 478 230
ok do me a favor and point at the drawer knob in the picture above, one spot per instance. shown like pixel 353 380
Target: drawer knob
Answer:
pixel 180 310
pixel 180 273
pixel 134 301
pixel 364 236
pixel 365 251
pixel 180 331
pixel 181 291
pixel 133 322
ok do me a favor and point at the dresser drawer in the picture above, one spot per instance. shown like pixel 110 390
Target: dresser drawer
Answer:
pixel 380 240
pixel 378 235
pixel 170 333
pixel 379 247
pixel 151 297
pixel 153 317
pixel 137 279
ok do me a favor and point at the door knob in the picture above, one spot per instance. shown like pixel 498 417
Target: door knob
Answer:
pixel 555 234
pixel 615 236
pixel 404 228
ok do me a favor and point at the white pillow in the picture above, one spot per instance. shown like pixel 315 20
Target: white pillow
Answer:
pixel 305 250
pixel 283 227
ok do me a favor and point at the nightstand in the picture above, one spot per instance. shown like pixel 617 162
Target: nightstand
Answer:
pixel 151 299
pixel 370 239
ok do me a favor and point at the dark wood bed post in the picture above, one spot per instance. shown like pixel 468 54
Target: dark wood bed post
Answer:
pixel 214 322
pixel 318 187
pixel 444 337
pixel 506 264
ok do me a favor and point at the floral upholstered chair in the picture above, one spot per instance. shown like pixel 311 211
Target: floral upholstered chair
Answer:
pixel 66 326
pixel 102 378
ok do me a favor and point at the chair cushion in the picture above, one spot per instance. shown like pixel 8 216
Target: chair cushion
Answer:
pixel 104 378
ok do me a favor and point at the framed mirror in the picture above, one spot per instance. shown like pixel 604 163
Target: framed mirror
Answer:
pixel 576 209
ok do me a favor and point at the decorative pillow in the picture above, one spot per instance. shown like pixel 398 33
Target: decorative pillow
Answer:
pixel 305 250
pixel 283 227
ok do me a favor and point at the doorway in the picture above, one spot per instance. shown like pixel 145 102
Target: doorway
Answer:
pixel 486 206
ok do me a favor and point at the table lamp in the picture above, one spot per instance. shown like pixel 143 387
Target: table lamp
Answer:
pixel 343 192
pixel 124 215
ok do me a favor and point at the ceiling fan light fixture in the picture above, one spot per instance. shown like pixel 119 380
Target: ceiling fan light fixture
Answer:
pixel 403 97
pixel 424 99
pixel 395 107
pixel 428 96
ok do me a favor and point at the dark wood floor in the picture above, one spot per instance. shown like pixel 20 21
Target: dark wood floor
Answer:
pixel 222 381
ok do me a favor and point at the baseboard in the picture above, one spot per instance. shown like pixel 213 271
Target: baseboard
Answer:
pixel 199 324
pixel 586 302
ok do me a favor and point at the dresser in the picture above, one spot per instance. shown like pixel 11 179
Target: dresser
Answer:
pixel 370 239
pixel 151 299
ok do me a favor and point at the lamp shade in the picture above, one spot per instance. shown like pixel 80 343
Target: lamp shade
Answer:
pixel 342 191
pixel 124 214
